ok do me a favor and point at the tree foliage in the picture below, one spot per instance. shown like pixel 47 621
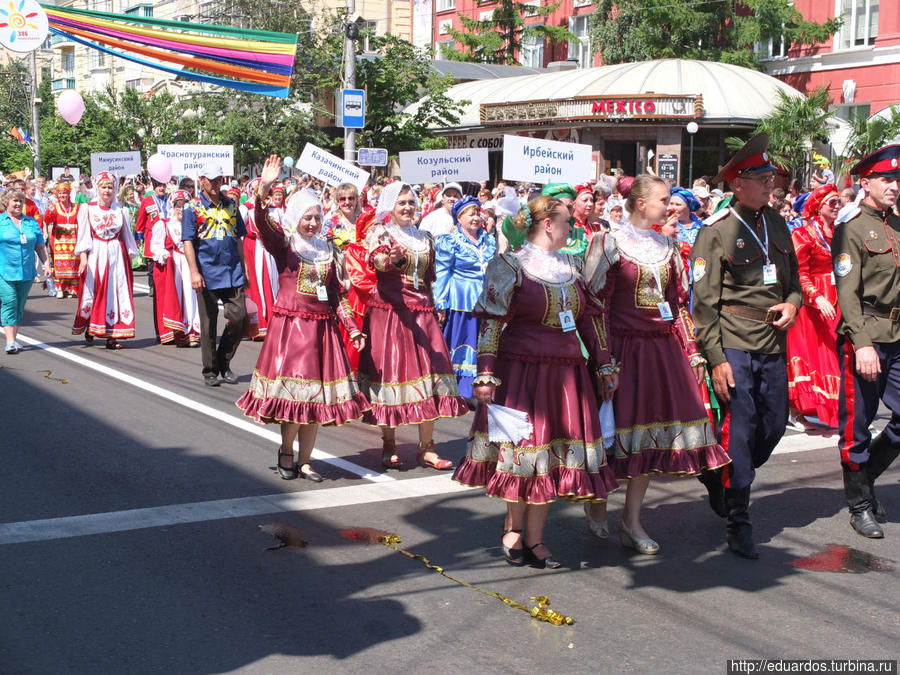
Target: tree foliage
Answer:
pixel 795 125
pixel 499 39
pixel 867 135
pixel 640 30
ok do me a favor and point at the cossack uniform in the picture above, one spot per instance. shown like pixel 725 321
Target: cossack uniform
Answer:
pixel 866 258
pixel 743 264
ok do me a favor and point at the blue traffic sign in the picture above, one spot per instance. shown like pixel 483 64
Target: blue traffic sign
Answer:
pixel 372 157
pixel 353 107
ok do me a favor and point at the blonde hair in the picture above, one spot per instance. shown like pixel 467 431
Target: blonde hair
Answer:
pixel 642 188
pixel 536 211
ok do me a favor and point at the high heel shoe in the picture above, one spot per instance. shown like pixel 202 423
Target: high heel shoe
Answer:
pixel 284 472
pixel 598 528
pixel 439 464
pixel 389 459
pixel 540 563
pixel 514 556
pixel 645 546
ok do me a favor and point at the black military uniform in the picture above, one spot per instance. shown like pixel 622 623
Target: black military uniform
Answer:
pixel 866 257
pixel 743 264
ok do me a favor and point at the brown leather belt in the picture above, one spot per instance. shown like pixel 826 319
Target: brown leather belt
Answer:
pixel 753 313
pixel 893 315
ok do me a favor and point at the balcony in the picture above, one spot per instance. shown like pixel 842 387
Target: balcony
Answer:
pixel 61 83
pixel 61 41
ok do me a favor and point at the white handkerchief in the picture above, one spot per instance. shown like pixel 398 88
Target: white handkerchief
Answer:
pixel 607 424
pixel 507 424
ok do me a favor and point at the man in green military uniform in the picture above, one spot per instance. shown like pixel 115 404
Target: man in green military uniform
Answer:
pixel 866 255
pixel 746 296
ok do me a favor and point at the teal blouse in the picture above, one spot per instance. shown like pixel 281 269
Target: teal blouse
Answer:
pixel 16 258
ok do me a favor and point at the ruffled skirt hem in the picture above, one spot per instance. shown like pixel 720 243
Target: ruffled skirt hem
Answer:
pixel 268 411
pixel 573 485
pixel 417 412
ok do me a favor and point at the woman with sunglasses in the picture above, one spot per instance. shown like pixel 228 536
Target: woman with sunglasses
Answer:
pixel 813 373
pixel 340 224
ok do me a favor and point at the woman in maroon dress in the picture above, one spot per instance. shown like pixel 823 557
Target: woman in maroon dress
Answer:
pixel 813 374
pixel 529 359
pixel 661 424
pixel 405 369
pixel 302 378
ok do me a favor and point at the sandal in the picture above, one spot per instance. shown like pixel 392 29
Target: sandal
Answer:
pixel 598 528
pixel 111 343
pixel 389 458
pixel 439 464
pixel 540 563
pixel 513 556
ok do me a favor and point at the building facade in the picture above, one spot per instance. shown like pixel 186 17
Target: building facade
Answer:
pixel 860 65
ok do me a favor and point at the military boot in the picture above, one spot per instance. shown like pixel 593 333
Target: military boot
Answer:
pixel 712 480
pixel 882 453
pixel 859 498
pixel 737 523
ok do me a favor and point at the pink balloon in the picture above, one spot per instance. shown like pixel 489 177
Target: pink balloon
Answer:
pixel 70 106
pixel 159 167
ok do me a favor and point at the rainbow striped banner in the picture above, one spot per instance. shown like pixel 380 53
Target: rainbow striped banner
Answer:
pixel 256 61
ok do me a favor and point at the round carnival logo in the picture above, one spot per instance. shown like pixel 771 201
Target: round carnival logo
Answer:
pixel 23 25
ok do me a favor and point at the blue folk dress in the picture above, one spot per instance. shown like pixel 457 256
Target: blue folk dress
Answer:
pixel 459 268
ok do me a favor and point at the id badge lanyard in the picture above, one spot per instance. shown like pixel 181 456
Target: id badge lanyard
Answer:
pixel 769 275
pixel 665 310
pixel 566 318
pixel 824 242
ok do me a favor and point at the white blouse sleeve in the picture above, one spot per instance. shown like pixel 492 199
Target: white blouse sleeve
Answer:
pixel 85 240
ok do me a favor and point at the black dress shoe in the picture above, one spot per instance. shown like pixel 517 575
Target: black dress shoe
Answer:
pixel 540 563
pixel 865 524
pixel 309 474
pixel 740 541
pixel 880 512
pixel 211 380
pixel 229 377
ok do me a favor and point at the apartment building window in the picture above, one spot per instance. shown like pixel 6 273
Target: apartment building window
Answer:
pixel 444 47
pixel 142 9
pixel 67 62
pixel 773 49
pixel 580 50
pixel 102 5
pixel 532 7
pixel 96 59
pixel 532 54
pixel 444 5
pixel 852 111
pixel 860 23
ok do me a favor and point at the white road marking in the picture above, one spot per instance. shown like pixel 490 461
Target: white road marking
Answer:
pixel 233 420
pixel 196 512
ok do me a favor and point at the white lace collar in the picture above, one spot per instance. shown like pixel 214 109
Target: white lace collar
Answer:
pixel 643 246
pixel 311 249
pixel 550 266
pixel 408 237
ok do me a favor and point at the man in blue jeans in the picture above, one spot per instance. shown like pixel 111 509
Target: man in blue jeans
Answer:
pixel 212 229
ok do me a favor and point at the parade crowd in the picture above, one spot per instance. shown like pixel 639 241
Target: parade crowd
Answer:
pixel 603 333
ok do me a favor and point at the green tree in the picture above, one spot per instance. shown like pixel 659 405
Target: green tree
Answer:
pixel 867 134
pixel 499 38
pixel 15 111
pixel 640 30
pixel 794 126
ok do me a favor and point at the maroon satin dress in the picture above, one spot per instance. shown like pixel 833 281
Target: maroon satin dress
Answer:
pixel 405 368
pixel 662 425
pixel 539 369
pixel 303 374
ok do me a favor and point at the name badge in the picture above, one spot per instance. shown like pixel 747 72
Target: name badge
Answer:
pixel 567 321
pixel 23 238
pixel 665 311
pixel 322 293
pixel 769 274
pixel 832 279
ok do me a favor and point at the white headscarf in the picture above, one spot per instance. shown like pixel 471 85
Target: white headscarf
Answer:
pixel 311 248
pixel 389 197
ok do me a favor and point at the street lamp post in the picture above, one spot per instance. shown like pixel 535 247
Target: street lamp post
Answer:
pixel 692 128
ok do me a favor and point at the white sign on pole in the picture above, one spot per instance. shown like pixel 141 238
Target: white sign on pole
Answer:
pixel 188 159
pixel 325 167
pixel 120 163
pixel 540 161
pixel 24 27
pixel 444 166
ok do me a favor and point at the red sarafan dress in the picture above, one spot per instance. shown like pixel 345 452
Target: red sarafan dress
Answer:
pixel 662 425
pixel 261 269
pixel 362 279
pixel 814 377
pixel 538 369
pixel 302 374
pixel 405 368
pixel 178 313
pixel 62 225
pixel 105 293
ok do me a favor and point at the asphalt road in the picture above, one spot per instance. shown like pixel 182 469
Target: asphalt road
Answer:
pixel 132 501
